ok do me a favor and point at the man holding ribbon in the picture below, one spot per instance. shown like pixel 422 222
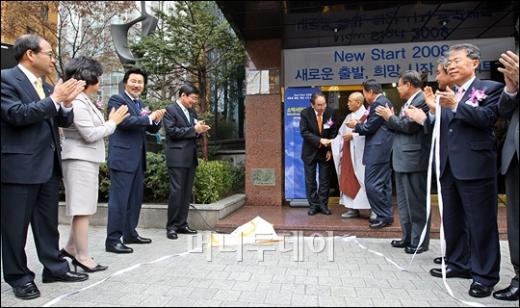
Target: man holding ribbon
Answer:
pixel 468 172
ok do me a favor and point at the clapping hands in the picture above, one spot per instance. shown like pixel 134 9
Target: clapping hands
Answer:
pixel 157 115
pixel 67 91
pixel 510 70
pixel 201 127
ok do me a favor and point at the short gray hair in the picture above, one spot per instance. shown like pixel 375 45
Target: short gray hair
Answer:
pixel 411 77
pixel 472 51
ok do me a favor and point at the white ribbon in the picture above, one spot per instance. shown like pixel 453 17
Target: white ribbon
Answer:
pixel 435 149
pixel 120 272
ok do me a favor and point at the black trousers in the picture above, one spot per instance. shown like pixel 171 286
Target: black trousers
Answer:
pixel 37 205
pixel 411 201
pixel 124 204
pixel 470 224
pixel 378 184
pixel 317 196
pixel 512 215
pixel 181 192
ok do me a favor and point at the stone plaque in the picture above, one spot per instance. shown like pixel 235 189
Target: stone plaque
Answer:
pixel 263 177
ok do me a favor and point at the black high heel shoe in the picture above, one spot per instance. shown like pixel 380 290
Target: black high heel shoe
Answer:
pixel 66 254
pixel 87 269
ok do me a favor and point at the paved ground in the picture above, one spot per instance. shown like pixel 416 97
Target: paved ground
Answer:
pixel 355 277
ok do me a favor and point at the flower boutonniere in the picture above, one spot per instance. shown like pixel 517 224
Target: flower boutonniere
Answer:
pixel 328 124
pixel 476 96
pixel 100 104
pixel 145 111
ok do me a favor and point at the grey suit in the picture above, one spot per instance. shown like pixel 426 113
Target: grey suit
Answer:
pixel 508 108
pixel 411 149
pixel 83 149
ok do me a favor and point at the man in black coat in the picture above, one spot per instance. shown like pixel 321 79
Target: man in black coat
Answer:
pixel 317 128
pixel 31 113
pixel 182 132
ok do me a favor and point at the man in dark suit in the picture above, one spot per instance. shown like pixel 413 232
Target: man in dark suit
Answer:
pixel 508 108
pixel 182 132
pixel 31 113
pixel 378 150
pixel 317 128
pixel 468 172
pixel 411 151
pixel 127 163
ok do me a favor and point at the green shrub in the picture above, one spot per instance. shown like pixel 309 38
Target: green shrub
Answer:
pixel 238 178
pixel 104 183
pixel 156 178
pixel 213 181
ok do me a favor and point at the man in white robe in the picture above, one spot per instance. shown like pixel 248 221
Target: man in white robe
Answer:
pixel 351 181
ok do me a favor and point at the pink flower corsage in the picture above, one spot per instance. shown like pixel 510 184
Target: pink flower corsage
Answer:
pixel 145 111
pixel 328 124
pixel 99 104
pixel 476 96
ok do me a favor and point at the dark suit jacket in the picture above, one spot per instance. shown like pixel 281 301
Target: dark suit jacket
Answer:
pixel 411 147
pixel 29 130
pixel 181 138
pixel 311 149
pixel 379 138
pixel 467 136
pixel 127 145
pixel 508 108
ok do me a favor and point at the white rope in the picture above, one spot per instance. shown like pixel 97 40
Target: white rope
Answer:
pixel 120 272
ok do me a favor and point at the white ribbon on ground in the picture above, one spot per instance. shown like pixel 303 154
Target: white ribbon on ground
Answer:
pixel 120 272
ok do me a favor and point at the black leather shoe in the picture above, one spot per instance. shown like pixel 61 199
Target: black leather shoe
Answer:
pixel 508 294
pixel 325 210
pixel 378 224
pixel 65 277
pixel 118 248
pixel 137 240
pixel 411 250
pixel 437 272
pixel 312 211
pixel 186 230
pixel 399 244
pixel 479 290
pixel 27 291
pixel 438 260
pixel 171 234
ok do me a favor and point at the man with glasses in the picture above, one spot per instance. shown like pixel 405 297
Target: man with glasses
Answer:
pixel 31 113
pixel 410 163
pixel 182 131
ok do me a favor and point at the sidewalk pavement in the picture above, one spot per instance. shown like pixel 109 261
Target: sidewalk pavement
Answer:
pixel 355 277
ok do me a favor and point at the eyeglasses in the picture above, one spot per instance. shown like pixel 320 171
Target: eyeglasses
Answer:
pixel 48 53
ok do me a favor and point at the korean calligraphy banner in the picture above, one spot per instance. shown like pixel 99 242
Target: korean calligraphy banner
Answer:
pixel 345 65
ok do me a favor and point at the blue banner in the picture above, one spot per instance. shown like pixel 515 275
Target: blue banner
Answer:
pixel 296 99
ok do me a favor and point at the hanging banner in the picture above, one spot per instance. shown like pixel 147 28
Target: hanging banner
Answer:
pixel 344 65
pixel 296 99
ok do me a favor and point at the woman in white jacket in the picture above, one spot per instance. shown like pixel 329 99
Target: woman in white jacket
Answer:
pixel 83 150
